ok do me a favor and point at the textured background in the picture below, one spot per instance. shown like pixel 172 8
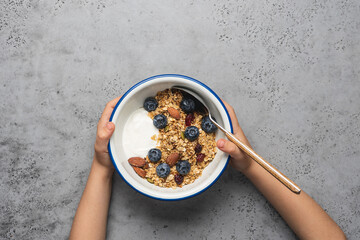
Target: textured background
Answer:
pixel 291 69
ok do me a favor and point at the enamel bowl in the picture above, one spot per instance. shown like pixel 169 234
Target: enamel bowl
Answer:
pixel 133 99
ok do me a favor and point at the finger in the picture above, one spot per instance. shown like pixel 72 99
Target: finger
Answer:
pixel 103 135
pixel 238 132
pixel 105 116
pixel 230 148
pixel 233 117
pixel 231 113
pixel 105 128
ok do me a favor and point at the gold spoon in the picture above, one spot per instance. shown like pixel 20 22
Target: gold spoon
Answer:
pixel 251 153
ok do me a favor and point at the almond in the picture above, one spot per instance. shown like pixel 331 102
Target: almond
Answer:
pixel 172 158
pixel 174 113
pixel 137 161
pixel 141 172
pixel 146 166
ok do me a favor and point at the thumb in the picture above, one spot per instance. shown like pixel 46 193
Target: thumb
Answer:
pixel 103 135
pixel 229 147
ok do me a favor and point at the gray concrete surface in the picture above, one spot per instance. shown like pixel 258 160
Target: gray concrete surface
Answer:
pixel 290 69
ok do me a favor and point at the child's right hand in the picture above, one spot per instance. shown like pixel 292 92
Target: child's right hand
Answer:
pixel 239 160
pixel 104 131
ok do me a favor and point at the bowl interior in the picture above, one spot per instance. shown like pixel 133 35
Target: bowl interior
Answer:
pixel 132 101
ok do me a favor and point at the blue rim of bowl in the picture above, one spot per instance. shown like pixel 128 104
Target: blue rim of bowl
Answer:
pixel 162 76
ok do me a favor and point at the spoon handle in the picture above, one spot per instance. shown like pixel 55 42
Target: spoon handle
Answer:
pixel 266 165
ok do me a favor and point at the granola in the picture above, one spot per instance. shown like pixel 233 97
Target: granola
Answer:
pixel 171 139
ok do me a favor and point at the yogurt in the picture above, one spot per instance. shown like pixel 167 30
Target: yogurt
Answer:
pixel 138 135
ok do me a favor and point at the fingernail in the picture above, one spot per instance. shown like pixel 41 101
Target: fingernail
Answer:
pixel 221 143
pixel 109 126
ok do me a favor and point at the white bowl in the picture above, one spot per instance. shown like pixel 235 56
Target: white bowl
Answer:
pixel 132 100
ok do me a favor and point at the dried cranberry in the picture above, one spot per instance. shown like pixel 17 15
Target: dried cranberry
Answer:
pixel 178 179
pixel 200 157
pixel 189 118
pixel 198 148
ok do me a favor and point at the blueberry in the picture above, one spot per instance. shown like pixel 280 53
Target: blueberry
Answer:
pixel 187 105
pixel 160 121
pixel 154 155
pixel 207 125
pixel 150 104
pixel 163 170
pixel 191 133
pixel 183 167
